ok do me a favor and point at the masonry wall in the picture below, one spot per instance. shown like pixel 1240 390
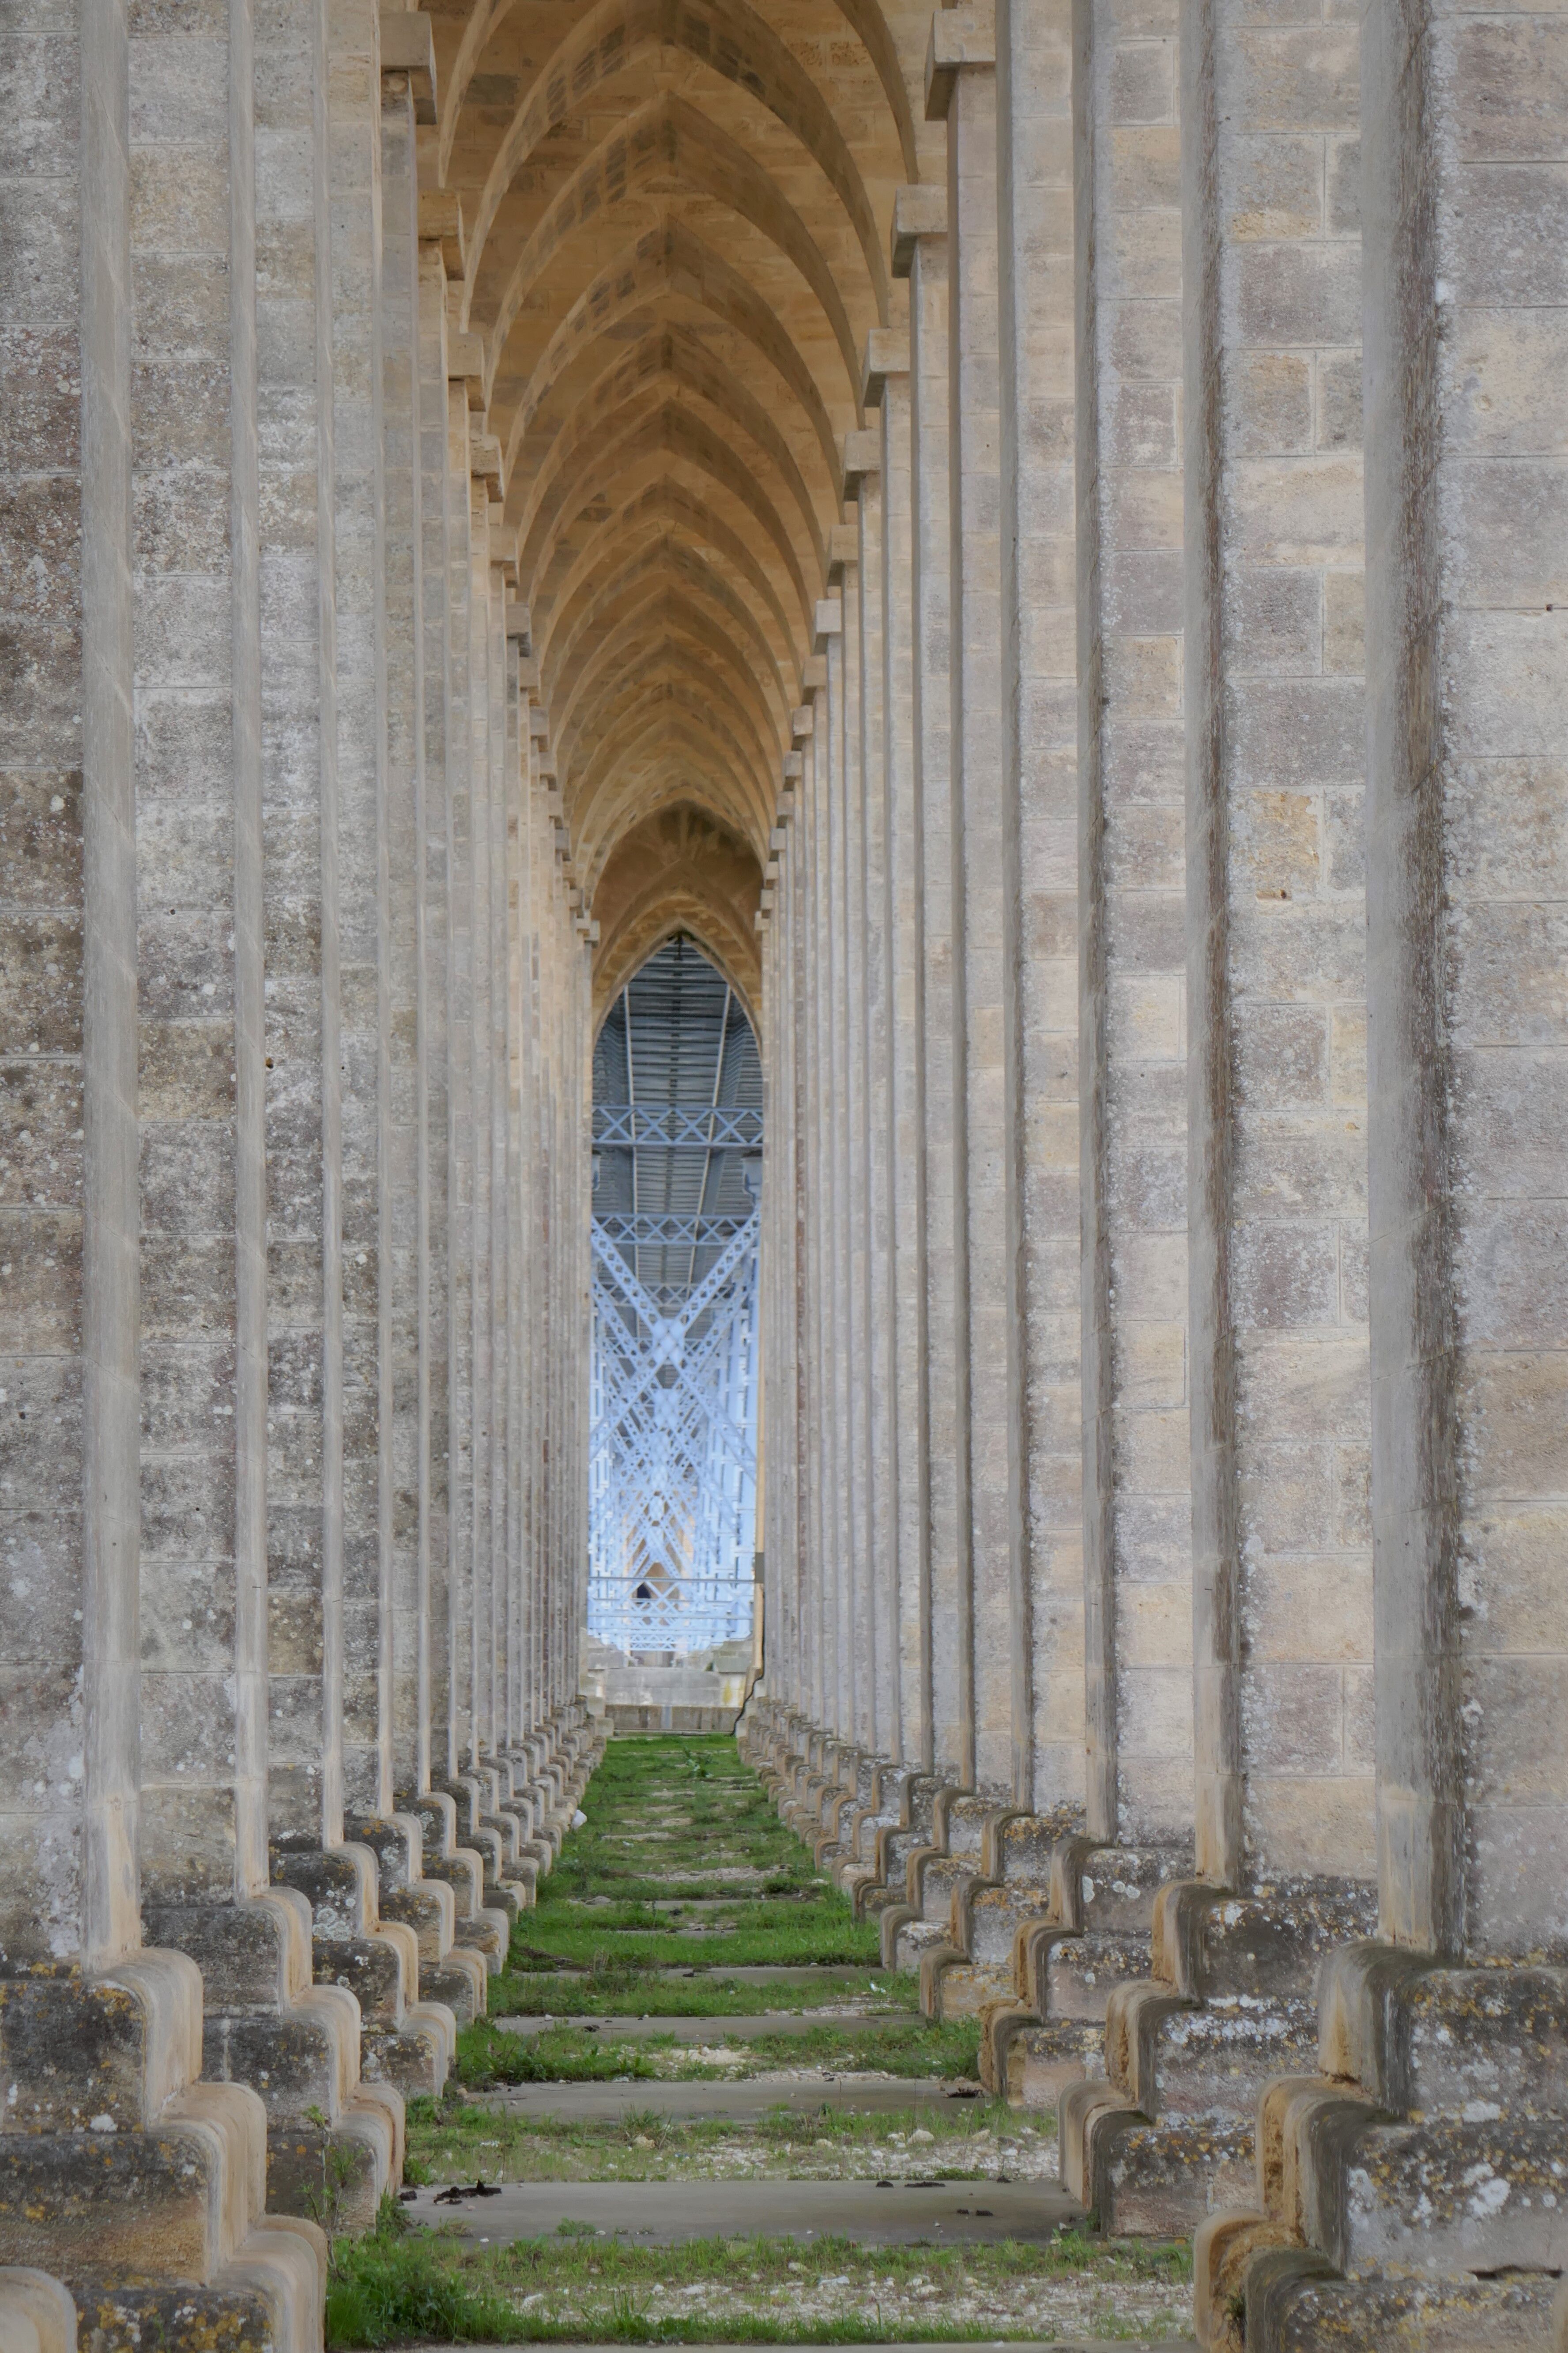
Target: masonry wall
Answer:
pixel 261 931
pixel 1221 992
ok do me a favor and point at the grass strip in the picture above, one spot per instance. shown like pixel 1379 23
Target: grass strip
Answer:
pixel 398 2286
pixel 618 1990
pixel 820 1935
pixel 486 2057
pixel 918 2047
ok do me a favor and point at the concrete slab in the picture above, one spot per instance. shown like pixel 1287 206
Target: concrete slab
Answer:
pixel 705 2031
pixel 851 2094
pixel 823 1973
pixel 670 1903
pixel 676 1928
pixel 665 2213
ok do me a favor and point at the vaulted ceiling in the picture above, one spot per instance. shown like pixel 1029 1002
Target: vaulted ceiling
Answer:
pixel 676 225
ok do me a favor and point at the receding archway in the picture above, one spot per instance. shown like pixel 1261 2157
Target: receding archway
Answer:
pixel 673 1476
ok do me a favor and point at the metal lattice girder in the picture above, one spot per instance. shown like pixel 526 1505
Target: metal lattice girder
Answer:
pixel 672 1127
pixel 672 1464
pixel 635 1373
pixel 673 1457
pixel 639 1371
pixel 651 1232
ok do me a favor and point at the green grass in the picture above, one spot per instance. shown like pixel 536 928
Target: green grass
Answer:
pixel 397 2285
pixel 621 1991
pixel 717 1815
pixel 814 1933
pixel 574 1958
pixel 918 2047
pixel 666 1817
pixel 490 2057
pixel 801 1930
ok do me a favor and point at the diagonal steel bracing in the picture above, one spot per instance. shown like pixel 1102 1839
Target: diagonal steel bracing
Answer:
pixel 672 1494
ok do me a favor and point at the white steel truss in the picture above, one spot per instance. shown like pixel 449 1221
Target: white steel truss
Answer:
pixel 677 1126
pixel 672 1465
pixel 652 1231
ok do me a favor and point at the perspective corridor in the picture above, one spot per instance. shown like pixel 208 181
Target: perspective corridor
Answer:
pixel 1032 542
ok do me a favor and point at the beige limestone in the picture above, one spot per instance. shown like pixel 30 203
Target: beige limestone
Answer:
pixel 961 87
pixel 920 223
pixel 1464 633
pixel 1134 1019
pixel 1040 913
pixel 1276 914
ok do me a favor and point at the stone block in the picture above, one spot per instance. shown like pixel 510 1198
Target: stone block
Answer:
pixel 1294 2302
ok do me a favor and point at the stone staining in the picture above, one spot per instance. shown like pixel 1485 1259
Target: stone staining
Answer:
pixel 1275 753
pixel 963 92
pixel 1137 1501
pixel 1040 746
pixel 907 1620
pixel 920 251
pixel 1465 842
pixel 68 1606
pixel 203 898
pixel 299 751
pixel 359 541
pixel 401 1234
pixel 94 2029
pixel 1212 541
pixel 878 1370
pixel 202 1828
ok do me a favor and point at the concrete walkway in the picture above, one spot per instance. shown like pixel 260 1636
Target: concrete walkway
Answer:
pixel 702 2154
pixel 666 2213
pixel 803 2095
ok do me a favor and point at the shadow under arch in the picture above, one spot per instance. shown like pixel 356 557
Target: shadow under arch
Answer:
pixel 864 17
pixel 664 429
pixel 670 260
pixel 655 549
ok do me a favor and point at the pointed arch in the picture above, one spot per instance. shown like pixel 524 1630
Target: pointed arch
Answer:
pixel 672 430
pixel 670 260
pixel 727 36
pixel 666 613
pixel 864 16
pixel 660 554
pixel 668 136
pixel 665 500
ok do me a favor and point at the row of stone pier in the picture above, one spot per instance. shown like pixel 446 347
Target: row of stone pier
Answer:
pixel 1164 989
pixel 296 1003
